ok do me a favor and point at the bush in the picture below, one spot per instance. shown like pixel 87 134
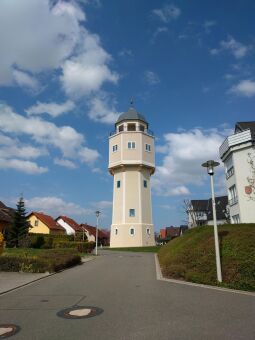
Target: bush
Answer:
pixel 38 242
pixel 51 261
pixel 81 247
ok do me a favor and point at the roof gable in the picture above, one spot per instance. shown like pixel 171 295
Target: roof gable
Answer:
pixel 47 220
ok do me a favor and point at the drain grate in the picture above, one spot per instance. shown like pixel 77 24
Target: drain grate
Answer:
pixel 8 330
pixel 80 312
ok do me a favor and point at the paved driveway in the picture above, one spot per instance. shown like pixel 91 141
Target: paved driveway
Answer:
pixel 135 304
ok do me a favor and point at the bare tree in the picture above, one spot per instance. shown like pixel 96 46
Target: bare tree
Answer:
pixel 191 216
pixel 250 189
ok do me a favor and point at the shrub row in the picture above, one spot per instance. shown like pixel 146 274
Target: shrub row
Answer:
pixel 50 261
pixel 81 247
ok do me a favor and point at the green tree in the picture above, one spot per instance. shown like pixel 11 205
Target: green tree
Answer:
pixel 20 226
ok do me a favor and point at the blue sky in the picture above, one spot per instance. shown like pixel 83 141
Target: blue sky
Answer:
pixel 69 68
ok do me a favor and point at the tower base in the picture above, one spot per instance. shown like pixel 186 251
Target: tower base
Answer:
pixel 136 235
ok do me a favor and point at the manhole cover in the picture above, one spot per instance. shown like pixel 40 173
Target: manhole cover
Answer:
pixel 8 330
pixel 81 312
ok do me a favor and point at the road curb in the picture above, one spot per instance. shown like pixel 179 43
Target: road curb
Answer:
pixel 228 290
pixel 43 277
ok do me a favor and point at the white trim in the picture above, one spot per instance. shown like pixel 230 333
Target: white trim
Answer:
pixel 121 147
pixel 124 198
pixel 140 196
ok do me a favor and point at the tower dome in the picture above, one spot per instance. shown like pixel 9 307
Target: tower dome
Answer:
pixel 131 114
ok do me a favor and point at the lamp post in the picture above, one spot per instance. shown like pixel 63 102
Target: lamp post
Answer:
pixel 97 216
pixel 210 165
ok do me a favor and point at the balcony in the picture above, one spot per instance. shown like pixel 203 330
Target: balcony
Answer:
pixel 146 132
pixel 235 139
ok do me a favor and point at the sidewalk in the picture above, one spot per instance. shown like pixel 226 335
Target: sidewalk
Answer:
pixel 11 280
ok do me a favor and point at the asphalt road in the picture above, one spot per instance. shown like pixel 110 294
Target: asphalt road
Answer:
pixel 135 304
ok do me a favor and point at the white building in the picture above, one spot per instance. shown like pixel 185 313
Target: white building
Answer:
pixel 71 227
pixel 131 162
pixel 237 152
pixel 200 211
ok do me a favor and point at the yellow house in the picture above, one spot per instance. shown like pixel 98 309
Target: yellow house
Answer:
pixel 43 224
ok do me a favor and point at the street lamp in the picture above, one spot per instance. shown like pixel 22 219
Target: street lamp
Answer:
pixel 210 165
pixel 97 216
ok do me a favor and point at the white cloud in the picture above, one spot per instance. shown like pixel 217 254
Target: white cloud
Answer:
pixel 22 165
pixel 208 24
pixel 125 52
pixel 26 80
pixel 102 109
pixel 64 138
pixel 36 36
pixel 237 49
pixel 101 205
pixel 167 13
pixel 53 109
pixel 88 71
pixel 181 166
pixel 88 156
pixel 151 77
pixel 56 206
pixel 245 88
pixel 158 31
pixel 65 163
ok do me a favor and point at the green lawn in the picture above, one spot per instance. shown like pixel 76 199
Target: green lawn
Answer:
pixel 191 257
pixel 152 249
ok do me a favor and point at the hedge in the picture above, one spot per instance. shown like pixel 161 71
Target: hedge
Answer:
pixel 1 243
pixel 81 247
pixel 50 261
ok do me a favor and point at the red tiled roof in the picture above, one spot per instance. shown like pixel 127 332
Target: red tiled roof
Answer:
pixel 48 220
pixel 92 231
pixel 70 222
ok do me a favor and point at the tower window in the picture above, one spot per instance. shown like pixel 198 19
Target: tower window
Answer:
pixel 147 147
pixel 36 223
pixel 121 128
pixel 132 231
pixel 114 148
pixel 116 231
pixel 148 231
pixel 131 212
pixel 141 128
pixel 131 127
pixel 131 145
pixel 145 184
pixel 118 184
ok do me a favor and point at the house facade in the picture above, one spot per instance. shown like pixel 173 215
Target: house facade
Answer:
pixel 238 155
pixel 71 227
pixel 43 224
pixel 6 217
pixel 131 163
pixel 200 212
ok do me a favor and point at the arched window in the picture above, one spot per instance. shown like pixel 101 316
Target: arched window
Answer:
pixel 116 231
pixel 132 231
pixel 148 231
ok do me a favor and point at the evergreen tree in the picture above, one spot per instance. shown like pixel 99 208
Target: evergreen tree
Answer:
pixel 20 226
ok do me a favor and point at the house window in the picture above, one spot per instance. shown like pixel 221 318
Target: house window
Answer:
pixel 132 231
pixel 147 147
pixel 232 195
pixel 131 212
pixel 236 219
pixel 148 231
pixel 145 184
pixel 131 145
pixel 36 223
pixel 121 128
pixel 115 148
pixel 131 127
pixel 230 172
pixel 118 184
pixel 116 231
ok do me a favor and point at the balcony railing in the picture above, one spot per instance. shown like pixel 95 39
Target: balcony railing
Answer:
pixel 235 139
pixel 147 132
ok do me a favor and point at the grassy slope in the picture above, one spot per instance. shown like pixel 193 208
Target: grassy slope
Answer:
pixel 192 256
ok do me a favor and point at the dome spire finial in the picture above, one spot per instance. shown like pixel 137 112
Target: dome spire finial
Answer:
pixel 131 102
